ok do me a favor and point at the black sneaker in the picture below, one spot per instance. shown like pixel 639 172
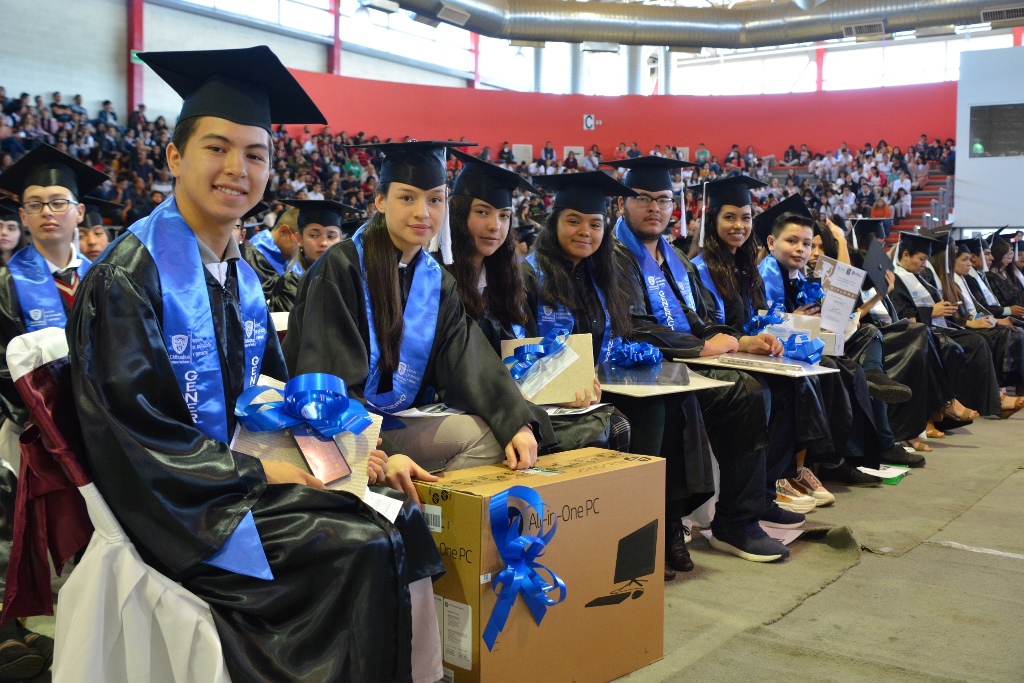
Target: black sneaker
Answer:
pixel 669 572
pixel 749 542
pixel 882 388
pixel 38 642
pixel 778 518
pixel 898 455
pixel 676 553
pixel 17 660
pixel 850 476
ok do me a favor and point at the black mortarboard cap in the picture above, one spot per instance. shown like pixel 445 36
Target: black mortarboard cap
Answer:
pixel 996 238
pixel 9 209
pixel 764 222
pixel 321 211
pixel 869 227
pixel 732 191
pixel 249 86
pixel 46 166
pixel 422 164
pixel 912 243
pixel 876 264
pixel 349 227
pixel 653 174
pixel 974 245
pixel 584 192
pixel 487 182
pixel 255 211
pixel 93 207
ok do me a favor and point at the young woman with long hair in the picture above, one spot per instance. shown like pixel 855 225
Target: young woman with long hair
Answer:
pixel 1001 276
pixel 11 232
pixel 381 314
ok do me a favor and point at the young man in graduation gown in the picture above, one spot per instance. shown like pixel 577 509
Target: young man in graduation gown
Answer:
pixel 660 284
pixel 320 226
pixel 166 333
pixel 250 254
pixel 966 354
pixel 37 290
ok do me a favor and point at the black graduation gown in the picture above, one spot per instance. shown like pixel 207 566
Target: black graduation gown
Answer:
pixel 258 261
pixel 338 608
pixel 281 290
pixel 1006 342
pixel 328 332
pixel 1008 292
pixel 735 417
pixel 966 356
pixel 671 427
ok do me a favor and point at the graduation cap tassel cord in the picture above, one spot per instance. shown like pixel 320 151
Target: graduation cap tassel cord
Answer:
pixel 703 212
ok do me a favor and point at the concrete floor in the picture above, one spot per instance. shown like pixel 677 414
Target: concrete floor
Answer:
pixel 931 590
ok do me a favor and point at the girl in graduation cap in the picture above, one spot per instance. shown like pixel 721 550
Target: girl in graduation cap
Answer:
pixel 490 283
pixel 320 226
pixel 10 229
pixel 919 296
pixel 1000 276
pixel 571 284
pixel 382 314
pixel 167 332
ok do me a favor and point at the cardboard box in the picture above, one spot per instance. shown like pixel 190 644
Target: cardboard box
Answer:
pixel 608 548
pixel 575 378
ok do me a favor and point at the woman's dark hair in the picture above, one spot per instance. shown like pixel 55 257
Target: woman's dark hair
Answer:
pixel 950 290
pixel 730 282
pixel 504 296
pixel 382 286
pixel 557 283
pixel 999 250
pixel 828 241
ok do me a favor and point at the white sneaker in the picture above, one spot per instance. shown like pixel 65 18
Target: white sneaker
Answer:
pixel 788 498
pixel 806 480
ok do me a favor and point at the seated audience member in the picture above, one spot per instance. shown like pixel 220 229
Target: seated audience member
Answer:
pixel 380 313
pixel 162 460
pixel 10 229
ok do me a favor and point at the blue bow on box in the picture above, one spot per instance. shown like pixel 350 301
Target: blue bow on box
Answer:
pixel 627 354
pixel 519 552
pixel 803 348
pixel 756 325
pixel 810 293
pixel 317 399
pixel 525 356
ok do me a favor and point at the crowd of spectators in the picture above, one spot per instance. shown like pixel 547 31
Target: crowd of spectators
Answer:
pixel 875 181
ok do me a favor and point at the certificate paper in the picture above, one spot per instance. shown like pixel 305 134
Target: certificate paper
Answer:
pixel 841 283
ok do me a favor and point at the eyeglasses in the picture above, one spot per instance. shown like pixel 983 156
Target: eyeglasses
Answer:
pixel 56 205
pixel 643 201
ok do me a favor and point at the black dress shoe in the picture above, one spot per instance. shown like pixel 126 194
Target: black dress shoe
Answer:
pixel 37 642
pixel 669 572
pixel 898 455
pixel 17 660
pixel 882 388
pixel 850 476
pixel 676 553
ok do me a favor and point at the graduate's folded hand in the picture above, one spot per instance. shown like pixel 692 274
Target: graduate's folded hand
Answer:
pixel 980 324
pixel 719 344
pixel 521 451
pixel 377 467
pixel 283 473
pixel 763 345
pixel 401 471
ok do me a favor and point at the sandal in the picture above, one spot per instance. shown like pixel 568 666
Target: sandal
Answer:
pixel 932 433
pixel 966 416
pixel 920 446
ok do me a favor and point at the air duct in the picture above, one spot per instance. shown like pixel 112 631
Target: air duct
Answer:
pixel 746 25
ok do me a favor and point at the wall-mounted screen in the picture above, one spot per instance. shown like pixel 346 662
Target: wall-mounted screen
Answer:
pixel 997 131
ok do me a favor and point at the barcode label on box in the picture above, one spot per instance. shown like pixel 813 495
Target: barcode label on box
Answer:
pixel 485 578
pixel 433 515
pixel 448 676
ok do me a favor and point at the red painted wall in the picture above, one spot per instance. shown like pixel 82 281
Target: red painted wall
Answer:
pixel 822 120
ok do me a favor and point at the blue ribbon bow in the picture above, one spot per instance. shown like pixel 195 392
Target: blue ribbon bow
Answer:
pixel 519 552
pixel 756 325
pixel 803 348
pixel 317 399
pixel 525 356
pixel 810 293
pixel 627 354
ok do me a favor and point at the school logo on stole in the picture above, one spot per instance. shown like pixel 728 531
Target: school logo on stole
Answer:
pixel 401 368
pixel 249 326
pixel 651 280
pixel 36 314
pixel 179 342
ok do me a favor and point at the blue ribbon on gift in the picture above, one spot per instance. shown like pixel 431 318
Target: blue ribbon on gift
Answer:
pixel 627 354
pixel 756 325
pixel 803 348
pixel 810 293
pixel 525 356
pixel 317 399
pixel 519 552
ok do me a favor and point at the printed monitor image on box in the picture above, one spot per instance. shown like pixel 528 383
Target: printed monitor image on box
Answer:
pixel 603 520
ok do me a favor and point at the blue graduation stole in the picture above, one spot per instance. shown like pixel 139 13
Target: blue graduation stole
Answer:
pixel 191 342
pixel 774 283
pixel 263 241
pixel 551 318
pixel 420 317
pixel 705 277
pixel 41 303
pixel 666 306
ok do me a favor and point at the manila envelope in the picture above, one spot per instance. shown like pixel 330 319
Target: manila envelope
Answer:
pixel 577 377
